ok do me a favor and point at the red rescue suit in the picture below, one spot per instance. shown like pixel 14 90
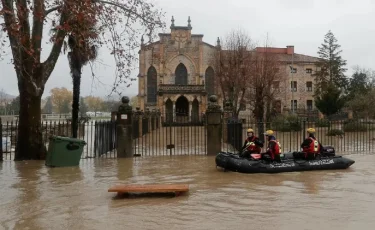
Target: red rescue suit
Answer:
pixel 311 146
pixel 274 149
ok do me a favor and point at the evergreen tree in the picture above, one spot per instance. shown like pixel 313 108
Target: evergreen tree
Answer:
pixel 330 78
pixel 332 65
pixel 330 101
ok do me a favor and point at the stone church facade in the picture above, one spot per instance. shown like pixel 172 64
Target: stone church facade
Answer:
pixel 176 75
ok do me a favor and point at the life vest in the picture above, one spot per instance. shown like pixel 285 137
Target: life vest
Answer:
pixel 252 147
pixel 277 149
pixel 314 146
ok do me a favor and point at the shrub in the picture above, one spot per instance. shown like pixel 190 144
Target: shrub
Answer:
pixel 322 123
pixel 335 132
pixel 287 123
pixel 353 126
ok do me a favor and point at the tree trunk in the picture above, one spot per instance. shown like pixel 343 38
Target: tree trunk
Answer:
pixel 76 74
pixel 30 144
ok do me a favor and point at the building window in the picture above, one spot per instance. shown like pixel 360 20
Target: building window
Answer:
pixel 308 70
pixel 152 82
pixel 293 86
pixel 293 105
pixel 181 75
pixel 276 86
pixel 309 86
pixel 277 106
pixel 309 105
pixel 293 70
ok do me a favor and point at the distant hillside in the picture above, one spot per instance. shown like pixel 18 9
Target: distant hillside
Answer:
pixel 6 96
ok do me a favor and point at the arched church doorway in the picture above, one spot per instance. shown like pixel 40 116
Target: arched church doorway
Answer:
pixel 182 109
pixel 169 111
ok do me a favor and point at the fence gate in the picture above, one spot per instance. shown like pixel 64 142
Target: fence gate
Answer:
pixel 154 135
pixel 105 138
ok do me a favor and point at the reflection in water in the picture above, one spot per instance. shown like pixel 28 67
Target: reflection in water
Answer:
pixel 36 197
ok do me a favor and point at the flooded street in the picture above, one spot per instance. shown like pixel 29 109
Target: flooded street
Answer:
pixel 36 197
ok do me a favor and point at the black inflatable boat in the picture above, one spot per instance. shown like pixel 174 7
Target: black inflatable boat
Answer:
pixel 290 162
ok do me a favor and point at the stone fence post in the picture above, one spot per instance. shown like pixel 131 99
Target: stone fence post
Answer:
pixel 214 126
pixel 124 129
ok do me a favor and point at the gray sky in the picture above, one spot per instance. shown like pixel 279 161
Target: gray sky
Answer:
pixel 287 22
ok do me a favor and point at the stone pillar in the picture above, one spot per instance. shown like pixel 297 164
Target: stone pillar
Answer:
pixel 124 129
pixel 214 122
pixel 174 111
pixel 190 110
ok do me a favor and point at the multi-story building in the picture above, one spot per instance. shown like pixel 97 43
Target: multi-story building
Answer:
pixel 176 74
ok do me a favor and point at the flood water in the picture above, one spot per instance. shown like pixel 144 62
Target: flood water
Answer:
pixel 36 197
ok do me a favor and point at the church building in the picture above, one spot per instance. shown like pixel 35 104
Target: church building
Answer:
pixel 176 75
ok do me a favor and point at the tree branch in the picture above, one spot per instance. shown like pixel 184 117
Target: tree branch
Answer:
pixel 10 23
pixel 46 12
pixel 37 33
pixel 50 63
pixel 129 11
pixel 23 17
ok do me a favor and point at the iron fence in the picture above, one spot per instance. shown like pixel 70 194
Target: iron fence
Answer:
pixel 99 136
pixel 173 134
pixel 153 136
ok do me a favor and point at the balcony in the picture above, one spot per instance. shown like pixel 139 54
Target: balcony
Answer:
pixel 181 89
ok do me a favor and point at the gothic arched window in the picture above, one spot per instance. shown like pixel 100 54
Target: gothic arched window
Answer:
pixel 209 86
pixel 181 75
pixel 151 84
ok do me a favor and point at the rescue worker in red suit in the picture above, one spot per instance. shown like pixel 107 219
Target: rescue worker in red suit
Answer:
pixel 274 147
pixel 311 147
pixel 252 144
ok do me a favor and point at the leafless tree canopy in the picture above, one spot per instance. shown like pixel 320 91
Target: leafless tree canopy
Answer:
pixel 247 77
pixel 233 67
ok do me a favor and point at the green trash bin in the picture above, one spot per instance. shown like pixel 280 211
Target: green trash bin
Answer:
pixel 64 151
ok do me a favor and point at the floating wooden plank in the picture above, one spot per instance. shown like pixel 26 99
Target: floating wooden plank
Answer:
pixel 150 188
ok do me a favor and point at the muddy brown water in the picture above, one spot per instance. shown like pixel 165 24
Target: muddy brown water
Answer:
pixel 36 197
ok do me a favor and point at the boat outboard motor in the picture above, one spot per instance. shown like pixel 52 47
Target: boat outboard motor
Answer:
pixel 328 151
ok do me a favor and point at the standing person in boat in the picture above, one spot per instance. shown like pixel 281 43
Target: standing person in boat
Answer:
pixel 252 144
pixel 274 147
pixel 311 147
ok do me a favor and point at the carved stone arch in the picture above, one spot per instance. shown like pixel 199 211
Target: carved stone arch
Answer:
pixel 182 58
pixel 209 81
pixel 152 83
pixel 174 62
pixel 166 99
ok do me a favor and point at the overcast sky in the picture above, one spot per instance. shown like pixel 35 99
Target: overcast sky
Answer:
pixel 302 23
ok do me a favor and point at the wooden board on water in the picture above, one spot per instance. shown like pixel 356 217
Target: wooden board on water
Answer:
pixel 150 188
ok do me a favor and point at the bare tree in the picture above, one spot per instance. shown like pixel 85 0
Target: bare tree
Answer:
pixel 120 23
pixel 233 68
pixel 267 83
